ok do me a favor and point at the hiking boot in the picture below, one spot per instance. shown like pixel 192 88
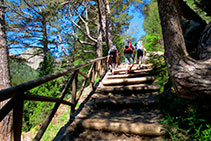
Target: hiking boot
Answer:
pixel 126 71
pixel 112 72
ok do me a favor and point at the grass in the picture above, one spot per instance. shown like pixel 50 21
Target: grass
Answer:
pixel 58 122
pixel 187 119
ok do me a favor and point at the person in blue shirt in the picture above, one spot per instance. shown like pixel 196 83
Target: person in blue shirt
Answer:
pixel 141 51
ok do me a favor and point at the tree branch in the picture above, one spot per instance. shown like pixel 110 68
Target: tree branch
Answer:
pixel 87 28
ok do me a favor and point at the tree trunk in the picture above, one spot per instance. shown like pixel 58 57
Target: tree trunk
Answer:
pixel 100 33
pixel 191 78
pixel 45 36
pixel 5 124
pixel 99 50
pixel 109 25
pixel 105 21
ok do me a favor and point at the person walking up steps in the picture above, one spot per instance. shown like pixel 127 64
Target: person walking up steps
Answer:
pixel 141 51
pixel 129 55
pixel 113 58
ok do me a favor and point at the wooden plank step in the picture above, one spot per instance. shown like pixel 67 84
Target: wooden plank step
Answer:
pixel 119 102
pixel 128 88
pixel 134 70
pixel 138 128
pixel 138 122
pixel 136 65
pixel 125 81
pixel 127 75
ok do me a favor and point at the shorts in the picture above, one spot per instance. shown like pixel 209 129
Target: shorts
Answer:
pixel 112 61
pixel 140 55
pixel 128 58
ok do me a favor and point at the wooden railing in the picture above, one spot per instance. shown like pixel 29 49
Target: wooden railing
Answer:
pixel 16 97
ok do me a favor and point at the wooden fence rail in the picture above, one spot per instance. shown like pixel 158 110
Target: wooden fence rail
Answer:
pixel 17 97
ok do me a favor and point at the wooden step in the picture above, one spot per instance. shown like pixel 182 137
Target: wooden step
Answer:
pixel 125 81
pixel 127 75
pixel 136 65
pixel 139 122
pixel 133 70
pixel 128 88
pixel 139 128
pixel 119 102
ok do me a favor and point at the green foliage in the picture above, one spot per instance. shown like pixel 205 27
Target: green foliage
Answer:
pixel 160 70
pixel 47 65
pixel 152 43
pixel 152 27
pixel 185 117
pixel 55 126
pixel 36 112
pixel 201 7
pixel 20 72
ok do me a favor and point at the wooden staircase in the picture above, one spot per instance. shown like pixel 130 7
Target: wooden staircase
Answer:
pixel 123 107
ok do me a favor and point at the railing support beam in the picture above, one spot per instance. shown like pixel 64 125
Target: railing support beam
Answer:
pixel 17 119
pixel 74 92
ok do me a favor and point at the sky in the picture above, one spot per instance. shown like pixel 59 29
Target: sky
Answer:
pixel 135 28
pixel 136 24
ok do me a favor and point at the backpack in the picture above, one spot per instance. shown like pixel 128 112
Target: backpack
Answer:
pixel 112 51
pixel 139 46
pixel 128 46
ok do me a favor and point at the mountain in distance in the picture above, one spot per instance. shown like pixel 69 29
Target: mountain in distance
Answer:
pixel 24 67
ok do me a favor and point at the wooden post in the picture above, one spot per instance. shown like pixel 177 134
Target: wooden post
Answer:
pixel 104 66
pixel 100 68
pixel 93 75
pixel 17 119
pixel 84 83
pixel 74 92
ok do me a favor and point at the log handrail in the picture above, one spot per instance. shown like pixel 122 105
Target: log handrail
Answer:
pixel 18 89
pixel 17 97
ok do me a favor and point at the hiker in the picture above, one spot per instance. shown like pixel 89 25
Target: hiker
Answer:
pixel 112 58
pixel 129 54
pixel 141 52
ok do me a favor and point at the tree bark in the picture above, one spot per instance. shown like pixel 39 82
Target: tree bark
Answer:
pixel 99 50
pixel 5 124
pixel 106 21
pixel 190 77
pixel 45 38
pixel 109 25
pixel 100 33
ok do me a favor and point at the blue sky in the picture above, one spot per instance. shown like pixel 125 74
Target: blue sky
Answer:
pixel 135 28
pixel 136 25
